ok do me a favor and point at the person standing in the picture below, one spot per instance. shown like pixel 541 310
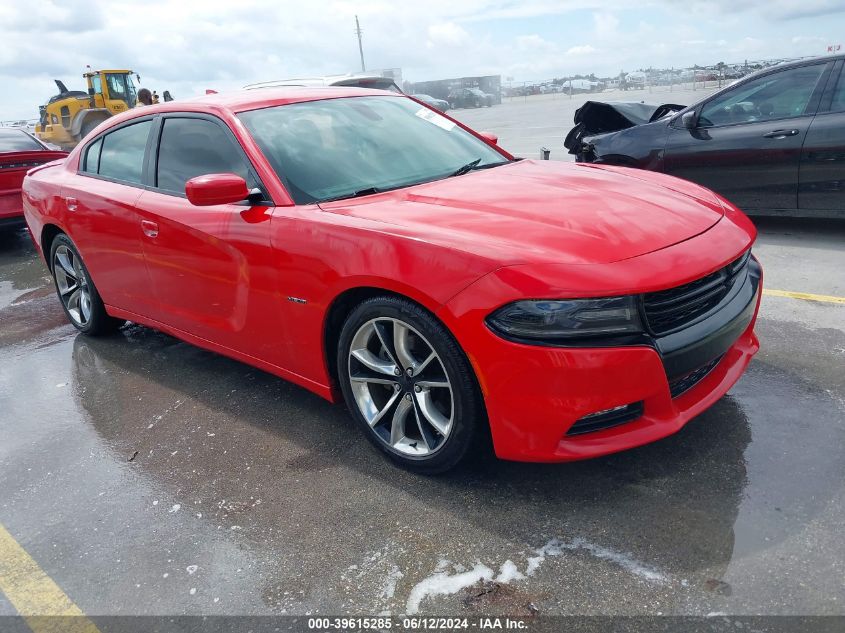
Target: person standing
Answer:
pixel 145 98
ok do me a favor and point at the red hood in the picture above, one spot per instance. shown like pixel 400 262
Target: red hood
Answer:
pixel 543 211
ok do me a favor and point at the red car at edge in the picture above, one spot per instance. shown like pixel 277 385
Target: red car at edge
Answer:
pixel 19 152
pixel 375 251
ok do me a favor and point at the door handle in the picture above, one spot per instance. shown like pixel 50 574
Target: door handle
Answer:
pixel 781 133
pixel 71 203
pixel 150 228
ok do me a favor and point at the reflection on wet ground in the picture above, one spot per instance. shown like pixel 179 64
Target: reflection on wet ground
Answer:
pixel 148 476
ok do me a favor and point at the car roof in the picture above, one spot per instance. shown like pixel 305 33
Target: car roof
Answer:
pixel 244 100
pixel 224 104
pixel 329 80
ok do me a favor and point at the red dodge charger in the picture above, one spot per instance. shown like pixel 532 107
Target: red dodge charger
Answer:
pixel 371 249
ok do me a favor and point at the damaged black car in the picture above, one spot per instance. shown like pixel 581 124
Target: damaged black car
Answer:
pixel 772 143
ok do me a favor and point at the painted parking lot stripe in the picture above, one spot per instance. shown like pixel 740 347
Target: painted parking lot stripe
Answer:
pixel 806 296
pixel 34 594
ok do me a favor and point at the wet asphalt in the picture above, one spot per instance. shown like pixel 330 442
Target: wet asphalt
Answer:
pixel 146 476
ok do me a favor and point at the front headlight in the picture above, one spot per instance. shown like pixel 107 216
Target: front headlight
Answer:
pixel 566 319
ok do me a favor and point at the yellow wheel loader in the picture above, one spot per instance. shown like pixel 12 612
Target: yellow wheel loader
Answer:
pixel 68 116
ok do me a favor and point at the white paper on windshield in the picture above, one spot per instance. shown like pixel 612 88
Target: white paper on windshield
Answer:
pixel 433 117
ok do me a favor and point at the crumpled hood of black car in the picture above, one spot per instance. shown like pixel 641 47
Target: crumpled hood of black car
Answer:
pixel 598 117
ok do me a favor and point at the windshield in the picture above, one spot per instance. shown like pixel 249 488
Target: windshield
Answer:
pixel 121 87
pixel 337 147
pixel 17 141
pixel 131 92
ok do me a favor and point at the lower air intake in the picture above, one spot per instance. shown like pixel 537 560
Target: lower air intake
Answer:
pixel 606 419
pixel 685 383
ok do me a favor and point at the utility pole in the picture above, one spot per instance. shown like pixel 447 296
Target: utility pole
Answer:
pixel 360 45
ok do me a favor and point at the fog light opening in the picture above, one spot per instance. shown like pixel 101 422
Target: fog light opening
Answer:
pixel 606 418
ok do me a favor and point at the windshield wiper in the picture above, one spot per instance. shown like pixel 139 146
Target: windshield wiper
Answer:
pixel 475 165
pixel 355 194
pixel 489 165
pixel 460 171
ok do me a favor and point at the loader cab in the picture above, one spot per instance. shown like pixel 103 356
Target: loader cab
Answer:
pixel 112 89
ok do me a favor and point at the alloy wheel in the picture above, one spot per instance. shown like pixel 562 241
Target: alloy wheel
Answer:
pixel 72 283
pixel 401 386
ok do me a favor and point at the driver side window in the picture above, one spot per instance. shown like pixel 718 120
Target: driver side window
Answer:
pixel 191 147
pixel 780 95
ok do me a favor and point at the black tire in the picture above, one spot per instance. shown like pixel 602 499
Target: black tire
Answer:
pixel 468 413
pixel 98 322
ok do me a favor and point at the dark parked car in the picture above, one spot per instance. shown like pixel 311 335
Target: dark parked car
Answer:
pixel 19 152
pixel 470 98
pixel 438 104
pixel 772 143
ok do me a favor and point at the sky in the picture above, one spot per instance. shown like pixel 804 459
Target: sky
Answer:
pixel 192 45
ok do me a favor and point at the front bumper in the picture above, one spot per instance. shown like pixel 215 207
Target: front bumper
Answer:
pixel 534 394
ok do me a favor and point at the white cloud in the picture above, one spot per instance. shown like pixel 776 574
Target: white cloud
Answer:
pixel 803 39
pixel 606 26
pixel 448 34
pixel 535 44
pixel 772 9
pixel 585 49
pixel 187 46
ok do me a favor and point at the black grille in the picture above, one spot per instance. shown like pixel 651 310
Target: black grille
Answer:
pixel 685 383
pixel 667 310
pixel 606 419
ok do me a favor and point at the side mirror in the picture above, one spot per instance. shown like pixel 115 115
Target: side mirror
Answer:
pixel 211 189
pixel 689 120
pixel 490 137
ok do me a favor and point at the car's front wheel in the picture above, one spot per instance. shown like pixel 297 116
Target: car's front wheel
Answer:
pixel 76 290
pixel 408 384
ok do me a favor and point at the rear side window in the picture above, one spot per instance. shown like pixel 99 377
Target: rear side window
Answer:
pixel 120 153
pixel 91 162
pixel 196 147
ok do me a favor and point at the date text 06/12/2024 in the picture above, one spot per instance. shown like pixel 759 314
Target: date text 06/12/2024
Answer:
pixel 383 623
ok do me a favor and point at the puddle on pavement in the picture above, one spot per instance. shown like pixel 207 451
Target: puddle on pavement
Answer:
pixel 273 480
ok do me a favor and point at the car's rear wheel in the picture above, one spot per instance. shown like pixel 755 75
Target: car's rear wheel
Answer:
pixel 409 385
pixel 76 290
